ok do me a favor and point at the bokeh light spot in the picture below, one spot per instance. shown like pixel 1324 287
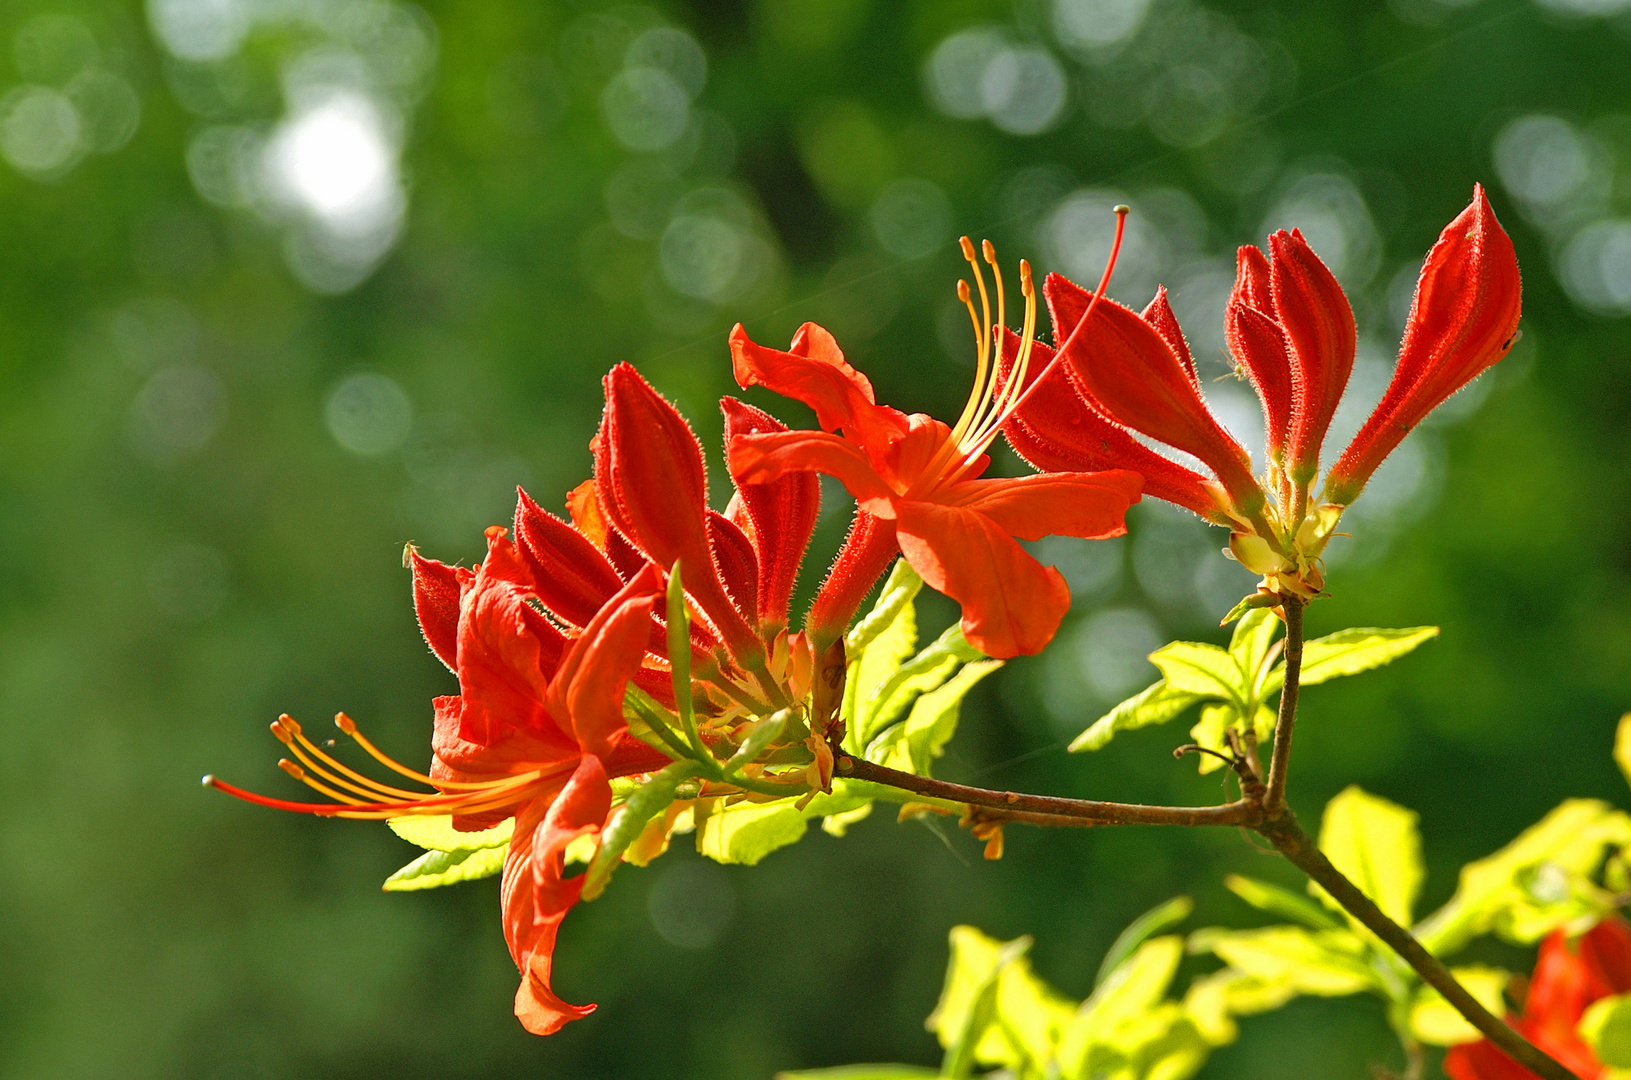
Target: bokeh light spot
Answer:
pixel 369 414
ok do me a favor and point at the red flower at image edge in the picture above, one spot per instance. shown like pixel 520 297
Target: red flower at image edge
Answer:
pixel 1569 976
pixel 918 477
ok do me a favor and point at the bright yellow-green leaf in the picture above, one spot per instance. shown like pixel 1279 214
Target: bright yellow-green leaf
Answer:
pixel 1375 843
pixel 747 832
pixel 863 1072
pixel 1622 746
pixel 888 703
pixel 1434 1021
pixel 1022 1018
pixel 1213 1002
pixel 1126 1029
pixel 1155 705
pixel 1252 646
pixel 1278 901
pixel 1208 734
pixel 1606 1027
pixel 1202 669
pixel 1329 963
pixel 912 745
pixel 434 869
pixel 438 834
pixel 1158 919
pixel 838 824
pixel 1348 652
pixel 1134 988
pixel 877 647
pixel 1499 893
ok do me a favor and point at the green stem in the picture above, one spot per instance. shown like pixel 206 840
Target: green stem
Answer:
pixel 1274 798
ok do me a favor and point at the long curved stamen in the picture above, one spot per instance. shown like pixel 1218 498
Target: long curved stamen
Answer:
pixel 982 338
pixel 357 796
pixel 1121 213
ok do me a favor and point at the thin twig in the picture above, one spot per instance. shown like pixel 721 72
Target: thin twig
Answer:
pixel 1086 810
pixel 1289 839
pixel 1274 799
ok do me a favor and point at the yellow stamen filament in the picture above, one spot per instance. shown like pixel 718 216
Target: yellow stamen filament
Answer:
pixel 285 727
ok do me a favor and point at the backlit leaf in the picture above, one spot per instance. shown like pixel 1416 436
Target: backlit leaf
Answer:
pixel 1435 1021
pixel 1606 1027
pixel 1252 646
pixel 438 833
pixel 993 1010
pixel 747 832
pixel 1622 746
pixel 912 745
pixel 1497 894
pixel 434 869
pixel 1348 652
pixel 1202 669
pixel 1376 845
pixel 1160 918
pixel 877 647
pixel 1214 1000
pixel 922 673
pixel 1329 963
pixel 1155 705
pixel 1277 901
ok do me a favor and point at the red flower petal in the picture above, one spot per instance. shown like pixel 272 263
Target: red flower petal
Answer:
pixel 738 565
pixel 1127 372
pixel 649 471
pixel 1012 604
pixel 437 588
pixel 1319 327
pixel 758 459
pixel 570 576
pixel 587 693
pixel 1158 313
pixel 814 372
pixel 780 515
pixel 1058 431
pixel 867 551
pixel 1089 505
pixel 1463 319
pixel 536 896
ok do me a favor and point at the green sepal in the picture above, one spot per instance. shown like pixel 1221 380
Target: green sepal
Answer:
pixel 651 799
pixel 1158 919
pixel 438 834
pixel 1154 705
pixel 434 869
pixel 1250 602
pixel 1277 901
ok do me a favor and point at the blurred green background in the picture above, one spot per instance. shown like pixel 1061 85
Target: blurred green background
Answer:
pixel 288 283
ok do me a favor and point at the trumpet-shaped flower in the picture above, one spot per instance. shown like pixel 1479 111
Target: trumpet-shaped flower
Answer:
pixel 920 480
pixel 535 733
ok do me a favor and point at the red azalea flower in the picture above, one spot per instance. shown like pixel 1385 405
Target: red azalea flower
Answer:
pixel 1569 976
pixel 1291 330
pixel 917 478
pixel 535 732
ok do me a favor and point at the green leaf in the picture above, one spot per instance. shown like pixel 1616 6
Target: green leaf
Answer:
pixel 1214 1000
pixel 1606 1027
pixel 838 824
pixel 911 746
pixel 1434 1021
pixel 747 832
pixel 1376 845
pixel 434 869
pixel 1160 918
pixel 1155 705
pixel 1208 734
pixel 1252 646
pixel 993 1010
pixel 764 732
pixel 438 834
pixel 1125 1019
pixel 649 800
pixel 1498 894
pixel 876 648
pixel 1348 652
pixel 1622 746
pixel 863 1072
pixel 1202 669
pixel 1329 963
pixel 1277 901
pixel 927 670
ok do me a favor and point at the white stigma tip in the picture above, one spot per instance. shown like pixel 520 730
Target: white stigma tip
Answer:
pixel 209 780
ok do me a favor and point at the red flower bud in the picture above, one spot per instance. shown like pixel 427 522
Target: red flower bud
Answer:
pixel 650 474
pixel 1258 344
pixel 1319 328
pixel 1129 373
pixel 1463 319
pixel 570 576
pixel 779 516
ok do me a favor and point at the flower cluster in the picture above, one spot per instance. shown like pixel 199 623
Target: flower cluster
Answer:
pixel 1118 372
pixel 647 635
